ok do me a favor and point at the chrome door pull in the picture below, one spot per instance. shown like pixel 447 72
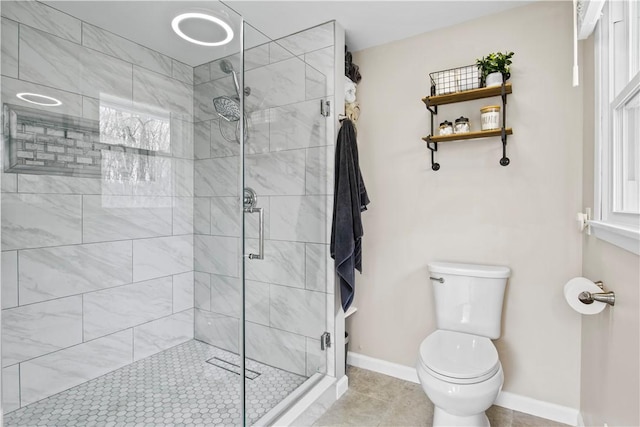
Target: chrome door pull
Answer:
pixel 249 201
pixel 260 211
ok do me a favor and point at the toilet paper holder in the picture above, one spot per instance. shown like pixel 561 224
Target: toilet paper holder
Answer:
pixel 606 297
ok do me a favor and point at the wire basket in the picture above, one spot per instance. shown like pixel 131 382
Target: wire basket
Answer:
pixel 455 80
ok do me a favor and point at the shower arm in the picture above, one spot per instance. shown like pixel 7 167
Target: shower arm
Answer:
pixel 235 82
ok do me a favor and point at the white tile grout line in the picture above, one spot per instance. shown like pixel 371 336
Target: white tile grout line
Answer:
pixel 269 388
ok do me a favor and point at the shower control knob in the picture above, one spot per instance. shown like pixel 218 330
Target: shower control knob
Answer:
pixel 249 198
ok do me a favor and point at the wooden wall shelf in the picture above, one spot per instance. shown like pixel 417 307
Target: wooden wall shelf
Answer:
pixel 468 95
pixel 468 135
pixel 432 103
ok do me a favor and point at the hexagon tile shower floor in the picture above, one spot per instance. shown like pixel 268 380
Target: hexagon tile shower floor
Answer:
pixel 175 387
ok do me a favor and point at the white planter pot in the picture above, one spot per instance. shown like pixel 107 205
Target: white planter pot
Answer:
pixel 493 79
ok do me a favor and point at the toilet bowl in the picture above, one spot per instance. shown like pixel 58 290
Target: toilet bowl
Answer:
pixel 458 365
pixel 461 375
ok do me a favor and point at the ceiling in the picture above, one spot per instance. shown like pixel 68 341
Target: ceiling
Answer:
pixel 366 23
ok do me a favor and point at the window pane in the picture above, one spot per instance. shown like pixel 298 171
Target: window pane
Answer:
pixel 634 30
pixel 627 155
pixel 620 47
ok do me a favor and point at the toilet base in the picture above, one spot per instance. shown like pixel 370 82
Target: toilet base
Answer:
pixel 441 418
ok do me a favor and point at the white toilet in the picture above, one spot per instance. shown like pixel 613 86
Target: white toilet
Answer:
pixel 458 364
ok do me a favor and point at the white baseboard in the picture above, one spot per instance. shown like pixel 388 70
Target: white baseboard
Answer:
pixel 538 408
pixel 396 370
pixel 516 402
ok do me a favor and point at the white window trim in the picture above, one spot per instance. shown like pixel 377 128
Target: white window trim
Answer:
pixel 622 234
pixel 624 237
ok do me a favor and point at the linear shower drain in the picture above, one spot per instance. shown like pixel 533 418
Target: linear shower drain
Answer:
pixel 232 367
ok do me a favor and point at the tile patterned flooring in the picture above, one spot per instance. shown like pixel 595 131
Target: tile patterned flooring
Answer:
pixel 179 388
pixel 174 388
pixel 378 400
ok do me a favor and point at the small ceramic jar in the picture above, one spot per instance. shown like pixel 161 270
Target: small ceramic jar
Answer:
pixel 446 128
pixel 490 117
pixel 462 125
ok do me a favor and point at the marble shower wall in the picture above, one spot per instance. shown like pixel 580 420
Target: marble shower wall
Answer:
pixel 96 273
pixel 290 166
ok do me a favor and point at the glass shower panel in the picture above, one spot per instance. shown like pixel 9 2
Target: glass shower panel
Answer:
pixel 287 154
pixel 109 250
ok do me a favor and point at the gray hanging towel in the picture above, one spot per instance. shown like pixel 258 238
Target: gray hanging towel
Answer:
pixel 349 200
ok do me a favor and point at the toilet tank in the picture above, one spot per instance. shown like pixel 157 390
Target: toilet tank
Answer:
pixel 468 297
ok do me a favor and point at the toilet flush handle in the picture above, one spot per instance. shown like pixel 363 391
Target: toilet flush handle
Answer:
pixel 437 279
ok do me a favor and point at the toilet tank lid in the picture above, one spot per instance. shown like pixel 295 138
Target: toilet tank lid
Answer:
pixel 472 270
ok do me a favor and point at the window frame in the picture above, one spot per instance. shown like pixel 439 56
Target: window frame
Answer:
pixel 619 228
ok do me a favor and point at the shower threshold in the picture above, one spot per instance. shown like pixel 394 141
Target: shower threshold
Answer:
pixel 178 386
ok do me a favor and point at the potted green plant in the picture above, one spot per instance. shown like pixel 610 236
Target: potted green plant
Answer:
pixel 493 67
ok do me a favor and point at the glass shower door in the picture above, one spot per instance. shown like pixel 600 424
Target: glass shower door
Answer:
pixel 286 223
pixel 217 224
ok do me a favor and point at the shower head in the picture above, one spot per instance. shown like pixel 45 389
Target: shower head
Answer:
pixel 231 128
pixel 226 66
pixel 227 108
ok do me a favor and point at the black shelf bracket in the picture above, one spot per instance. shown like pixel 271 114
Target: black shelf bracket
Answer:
pixel 433 147
pixel 504 161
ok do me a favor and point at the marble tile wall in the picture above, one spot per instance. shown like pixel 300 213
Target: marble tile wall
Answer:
pixel 290 166
pixel 96 273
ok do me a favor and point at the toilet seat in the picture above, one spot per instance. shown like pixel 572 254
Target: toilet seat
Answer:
pixel 459 358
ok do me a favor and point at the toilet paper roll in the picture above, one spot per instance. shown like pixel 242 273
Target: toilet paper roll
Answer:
pixel 580 284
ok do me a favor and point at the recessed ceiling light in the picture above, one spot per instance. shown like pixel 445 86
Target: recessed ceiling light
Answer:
pixel 36 98
pixel 175 24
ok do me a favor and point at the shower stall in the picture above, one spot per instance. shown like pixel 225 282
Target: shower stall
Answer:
pixel 166 207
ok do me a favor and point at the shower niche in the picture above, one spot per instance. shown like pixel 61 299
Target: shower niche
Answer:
pixel 49 143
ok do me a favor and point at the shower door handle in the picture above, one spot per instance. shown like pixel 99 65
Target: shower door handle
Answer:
pixel 260 211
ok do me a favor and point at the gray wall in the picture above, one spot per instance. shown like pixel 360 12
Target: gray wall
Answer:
pixel 472 209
